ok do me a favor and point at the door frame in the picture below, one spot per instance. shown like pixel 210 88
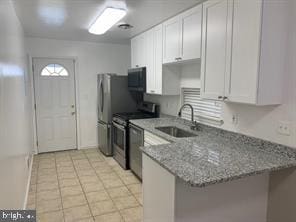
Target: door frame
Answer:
pixel 76 93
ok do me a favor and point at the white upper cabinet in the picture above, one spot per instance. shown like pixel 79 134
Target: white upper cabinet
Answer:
pixel 159 81
pixel 172 40
pixel 150 65
pixel 191 33
pixel 215 48
pixel 146 50
pixel 138 51
pixel 158 74
pixel 243 58
pixel 241 84
pixel 134 52
pixel 182 36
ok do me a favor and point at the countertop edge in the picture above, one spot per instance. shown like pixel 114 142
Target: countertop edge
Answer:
pixel 214 182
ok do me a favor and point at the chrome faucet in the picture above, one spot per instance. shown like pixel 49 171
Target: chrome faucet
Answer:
pixel 194 123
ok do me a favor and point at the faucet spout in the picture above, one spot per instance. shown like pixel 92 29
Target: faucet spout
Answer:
pixel 192 111
pixel 194 123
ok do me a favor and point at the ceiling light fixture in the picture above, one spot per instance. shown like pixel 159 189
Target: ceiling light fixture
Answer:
pixel 106 20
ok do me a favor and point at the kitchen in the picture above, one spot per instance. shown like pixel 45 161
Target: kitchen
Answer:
pixel 186 116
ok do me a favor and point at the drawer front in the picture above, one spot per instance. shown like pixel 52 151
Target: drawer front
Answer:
pixel 151 139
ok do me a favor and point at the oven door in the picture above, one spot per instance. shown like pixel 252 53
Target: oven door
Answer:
pixel 119 139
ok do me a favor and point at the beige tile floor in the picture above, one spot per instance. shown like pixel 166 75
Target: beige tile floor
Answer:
pixel 83 186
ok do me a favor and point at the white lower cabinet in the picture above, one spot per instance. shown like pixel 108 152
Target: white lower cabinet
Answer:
pixel 158 192
pixel 169 199
pixel 163 211
pixel 151 139
pixel 243 58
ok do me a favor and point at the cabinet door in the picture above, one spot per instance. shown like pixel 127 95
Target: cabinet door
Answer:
pixel 150 66
pixel 134 52
pixel 158 46
pixel 191 36
pixel 215 47
pixel 158 192
pixel 241 84
pixel 172 39
pixel 141 50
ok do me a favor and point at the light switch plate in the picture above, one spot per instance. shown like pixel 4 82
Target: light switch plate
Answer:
pixel 284 128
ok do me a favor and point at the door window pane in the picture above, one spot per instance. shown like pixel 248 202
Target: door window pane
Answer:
pixel 54 70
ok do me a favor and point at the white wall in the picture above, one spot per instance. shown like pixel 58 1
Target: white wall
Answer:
pixel 15 122
pixel 261 122
pixel 92 59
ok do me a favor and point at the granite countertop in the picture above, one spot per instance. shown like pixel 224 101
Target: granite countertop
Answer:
pixel 214 155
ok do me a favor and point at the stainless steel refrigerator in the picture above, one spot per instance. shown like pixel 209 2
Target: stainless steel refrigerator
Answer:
pixel 113 97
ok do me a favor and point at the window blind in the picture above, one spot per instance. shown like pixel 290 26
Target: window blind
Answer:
pixel 207 111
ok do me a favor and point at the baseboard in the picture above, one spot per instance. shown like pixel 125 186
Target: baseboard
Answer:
pixel 28 182
pixel 88 147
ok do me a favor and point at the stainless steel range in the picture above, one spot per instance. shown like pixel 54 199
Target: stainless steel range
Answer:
pixel 121 130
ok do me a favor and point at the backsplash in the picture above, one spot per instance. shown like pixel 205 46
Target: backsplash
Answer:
pixel 168 104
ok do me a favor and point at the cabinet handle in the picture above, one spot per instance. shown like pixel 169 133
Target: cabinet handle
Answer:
pixel 137 66
pixel 178 58
pixel 225 98
pixel 152 91
pixel 220 97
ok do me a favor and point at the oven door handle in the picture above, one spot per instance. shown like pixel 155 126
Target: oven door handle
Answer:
pixel 118 126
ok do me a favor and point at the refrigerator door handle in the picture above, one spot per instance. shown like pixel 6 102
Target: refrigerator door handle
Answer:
pixel 102 96
pixel 118 126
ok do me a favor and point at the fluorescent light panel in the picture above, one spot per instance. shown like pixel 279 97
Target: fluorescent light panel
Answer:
pixel 106 20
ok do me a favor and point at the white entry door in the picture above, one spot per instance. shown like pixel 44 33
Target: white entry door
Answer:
pixel 55 104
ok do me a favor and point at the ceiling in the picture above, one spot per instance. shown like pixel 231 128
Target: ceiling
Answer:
pixel 70 19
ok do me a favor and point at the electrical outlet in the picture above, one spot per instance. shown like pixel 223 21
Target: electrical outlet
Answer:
pixel 284 128
pixel 234 119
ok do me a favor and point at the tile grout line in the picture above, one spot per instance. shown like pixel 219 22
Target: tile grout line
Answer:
pixel 106 189
pixel 88 204
pixel 129 191
pixel 127 187
pixel 56 168
pixel 119 211
pixel 38 172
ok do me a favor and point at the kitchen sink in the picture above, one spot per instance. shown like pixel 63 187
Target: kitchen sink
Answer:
pixel 175 131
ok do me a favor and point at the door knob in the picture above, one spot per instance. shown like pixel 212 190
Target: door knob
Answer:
pixel 220 97
pixel 73 113
pixel 72 106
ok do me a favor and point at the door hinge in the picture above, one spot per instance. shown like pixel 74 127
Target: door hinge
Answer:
pixel 37 143
pixel 35 107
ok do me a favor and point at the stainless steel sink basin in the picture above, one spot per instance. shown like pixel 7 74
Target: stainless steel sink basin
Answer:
pixel 175 131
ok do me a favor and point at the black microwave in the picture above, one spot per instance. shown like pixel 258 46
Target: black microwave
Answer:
pixel 137 79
